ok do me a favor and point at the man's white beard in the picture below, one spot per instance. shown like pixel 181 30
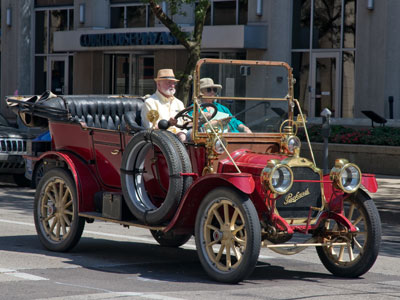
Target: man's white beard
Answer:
pixel 170 92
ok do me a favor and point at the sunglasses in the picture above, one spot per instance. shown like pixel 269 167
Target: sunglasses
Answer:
pixel 209 90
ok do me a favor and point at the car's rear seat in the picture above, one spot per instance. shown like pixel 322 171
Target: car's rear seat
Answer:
pixel 106 112
pixel 99 111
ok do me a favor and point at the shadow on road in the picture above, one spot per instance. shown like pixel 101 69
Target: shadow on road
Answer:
pixel 151 262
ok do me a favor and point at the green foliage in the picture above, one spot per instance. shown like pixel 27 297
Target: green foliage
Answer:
pixel 388 136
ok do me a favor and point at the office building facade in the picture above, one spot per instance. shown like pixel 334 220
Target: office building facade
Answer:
pixel 344 56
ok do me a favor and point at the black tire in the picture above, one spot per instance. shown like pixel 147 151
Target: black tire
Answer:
pixel 170 239
pixel 132 182
pixel 243 236
pixel 37 175
pixel 21 180
pixel 364 246
pixel 59 228
pixel 184 159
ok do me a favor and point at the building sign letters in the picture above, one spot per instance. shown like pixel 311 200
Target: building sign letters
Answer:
pixel 127 39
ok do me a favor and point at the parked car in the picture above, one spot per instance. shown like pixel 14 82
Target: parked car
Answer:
pixel 235 192
pixel 13 145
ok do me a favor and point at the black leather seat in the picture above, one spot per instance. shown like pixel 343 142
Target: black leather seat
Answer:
pixel 99 111
pixel 105 112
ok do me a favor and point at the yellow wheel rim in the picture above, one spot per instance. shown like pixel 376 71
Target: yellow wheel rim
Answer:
pixel 224 235
pixel 354 249
pixel 57 210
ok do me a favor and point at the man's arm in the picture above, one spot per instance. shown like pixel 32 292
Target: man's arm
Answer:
pixel 145 109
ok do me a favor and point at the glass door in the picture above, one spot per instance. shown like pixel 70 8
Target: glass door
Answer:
pixel 143 75
pixel 325 80
pixel 57 78
pixel 129 74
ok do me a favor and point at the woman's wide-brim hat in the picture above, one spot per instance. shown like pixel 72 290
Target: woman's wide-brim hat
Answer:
pixel 208 83
pixel 165 74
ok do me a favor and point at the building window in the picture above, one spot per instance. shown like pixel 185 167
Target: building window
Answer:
pixel 53 70
pixel 131 15
pixel 227 12
pixel 327 23
pixel 46 23
pixel 128 73
pixel 324 31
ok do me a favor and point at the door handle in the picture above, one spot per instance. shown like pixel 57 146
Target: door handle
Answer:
pixel 115 152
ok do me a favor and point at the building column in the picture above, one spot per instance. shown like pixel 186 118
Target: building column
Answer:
pixel 16 45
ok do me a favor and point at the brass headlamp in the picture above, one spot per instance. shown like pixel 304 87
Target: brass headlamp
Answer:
pixel 347 176
pixel 277 177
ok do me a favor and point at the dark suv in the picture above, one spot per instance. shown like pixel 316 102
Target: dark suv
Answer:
pixel 13 145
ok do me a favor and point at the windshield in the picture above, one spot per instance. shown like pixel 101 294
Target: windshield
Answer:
pixel 249 96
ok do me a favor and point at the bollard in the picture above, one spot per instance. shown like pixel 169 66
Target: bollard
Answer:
pixel 391 107
pixel 326 131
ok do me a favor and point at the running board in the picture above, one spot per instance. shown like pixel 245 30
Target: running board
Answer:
pixel 98 216
pixel 294 245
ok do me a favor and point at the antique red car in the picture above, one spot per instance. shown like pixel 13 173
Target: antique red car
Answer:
pixel 234 191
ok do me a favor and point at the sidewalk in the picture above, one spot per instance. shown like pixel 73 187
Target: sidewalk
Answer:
pixel 387 198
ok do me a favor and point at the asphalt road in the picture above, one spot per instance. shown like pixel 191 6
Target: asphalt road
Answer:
pixel 113 262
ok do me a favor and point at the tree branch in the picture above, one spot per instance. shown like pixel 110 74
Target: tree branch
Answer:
pixel 170 24
pixel 200 14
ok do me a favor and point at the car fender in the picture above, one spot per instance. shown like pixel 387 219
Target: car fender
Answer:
pixel 82 175
pixel 369 182
pixel 185 216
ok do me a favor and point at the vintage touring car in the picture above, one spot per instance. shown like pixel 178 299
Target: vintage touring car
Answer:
pixel 234 191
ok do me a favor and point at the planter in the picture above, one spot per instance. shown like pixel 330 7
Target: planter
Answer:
pixel 383 160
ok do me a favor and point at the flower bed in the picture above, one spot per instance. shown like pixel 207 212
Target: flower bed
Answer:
pixel 386 136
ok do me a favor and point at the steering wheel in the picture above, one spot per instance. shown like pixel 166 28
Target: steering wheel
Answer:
pixel 184 114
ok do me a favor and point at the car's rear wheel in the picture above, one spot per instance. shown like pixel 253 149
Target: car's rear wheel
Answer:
pixel 38 174
pixel 170 239
pixel 56 211
pixel 228 235
pixel 361 249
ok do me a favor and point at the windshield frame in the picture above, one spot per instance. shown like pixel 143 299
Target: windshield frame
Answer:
pixel 200 137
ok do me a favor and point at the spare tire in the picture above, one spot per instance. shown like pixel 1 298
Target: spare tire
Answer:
pixel 133 172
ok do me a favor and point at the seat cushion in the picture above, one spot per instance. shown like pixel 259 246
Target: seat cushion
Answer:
pixel 105 112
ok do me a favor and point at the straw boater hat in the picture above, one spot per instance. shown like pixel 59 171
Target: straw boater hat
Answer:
pixel 208 83
pixel 165 74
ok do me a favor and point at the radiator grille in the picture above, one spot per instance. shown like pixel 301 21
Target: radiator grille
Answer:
pixel 297 202
pixel 13 146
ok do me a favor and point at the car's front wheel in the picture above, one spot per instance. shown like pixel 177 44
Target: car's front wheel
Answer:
pixel 360 250
pixel 228 235
pixel 56 211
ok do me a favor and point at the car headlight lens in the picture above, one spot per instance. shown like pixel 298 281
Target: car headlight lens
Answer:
pixel 346 175
pixel 293 143
pixel 220 145
pixel 277 177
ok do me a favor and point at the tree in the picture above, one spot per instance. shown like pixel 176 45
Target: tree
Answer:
pixel 191 42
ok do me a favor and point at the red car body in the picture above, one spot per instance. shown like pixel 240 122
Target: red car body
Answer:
pixel 259 214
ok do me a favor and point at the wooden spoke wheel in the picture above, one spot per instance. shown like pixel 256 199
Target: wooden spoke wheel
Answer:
pixel 56 211
pixel 228 235
pixel 361 249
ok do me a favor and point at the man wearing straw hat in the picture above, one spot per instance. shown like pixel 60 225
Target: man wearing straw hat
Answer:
pixel 209 88
pixel 164 102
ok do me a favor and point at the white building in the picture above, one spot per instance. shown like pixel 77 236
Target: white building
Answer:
pixel 344 54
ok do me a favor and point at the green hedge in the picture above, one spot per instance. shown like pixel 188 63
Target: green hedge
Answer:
pixel 388 136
